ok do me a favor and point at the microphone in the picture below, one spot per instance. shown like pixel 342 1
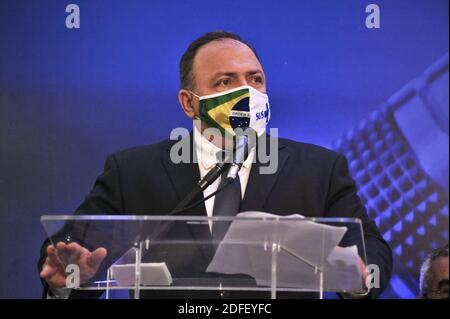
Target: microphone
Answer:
pixel 245 140
pixel 212 175
pixel 244 143
pixel 202 184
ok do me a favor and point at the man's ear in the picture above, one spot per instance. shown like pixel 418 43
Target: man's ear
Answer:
pixel 188 104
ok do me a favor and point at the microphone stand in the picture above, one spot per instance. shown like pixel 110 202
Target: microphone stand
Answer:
pixel 242 148
pixel 202 184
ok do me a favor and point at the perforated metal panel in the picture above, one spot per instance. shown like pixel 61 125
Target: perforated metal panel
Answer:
pixel 409 207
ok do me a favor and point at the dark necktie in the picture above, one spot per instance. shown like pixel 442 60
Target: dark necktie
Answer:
pixel 226 203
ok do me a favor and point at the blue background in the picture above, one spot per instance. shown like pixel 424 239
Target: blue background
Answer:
pixel 70 97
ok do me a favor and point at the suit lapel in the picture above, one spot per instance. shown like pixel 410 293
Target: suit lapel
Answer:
pixel 259 185
pixel 184 177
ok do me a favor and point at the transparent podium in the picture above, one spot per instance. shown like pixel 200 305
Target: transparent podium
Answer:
pixel 252 255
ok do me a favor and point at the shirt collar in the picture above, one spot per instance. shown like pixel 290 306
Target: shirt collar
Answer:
pixel 207 151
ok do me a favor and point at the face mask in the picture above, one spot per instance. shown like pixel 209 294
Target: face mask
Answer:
pixel 240 107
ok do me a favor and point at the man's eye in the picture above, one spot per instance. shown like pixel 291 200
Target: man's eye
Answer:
pixel 223 82
pixel 257 79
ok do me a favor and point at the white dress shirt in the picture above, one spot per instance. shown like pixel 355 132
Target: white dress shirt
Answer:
pixel 207 158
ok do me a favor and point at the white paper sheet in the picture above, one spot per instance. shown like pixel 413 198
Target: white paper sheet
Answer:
pixel 305 247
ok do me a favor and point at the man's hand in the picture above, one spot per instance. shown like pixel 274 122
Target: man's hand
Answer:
pixel 362 267
pixel 54 268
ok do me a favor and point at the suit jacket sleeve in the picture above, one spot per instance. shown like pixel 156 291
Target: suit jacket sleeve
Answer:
pixel 343 201
pixel 106 195
pixel 104 198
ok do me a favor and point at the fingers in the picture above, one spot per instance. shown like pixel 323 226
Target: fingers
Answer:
pixel 69 253
pixel 52 263
pixel 52 255
pixel 59 256
pixel 363 269
pixel 61 253
pixel 52 274
pixel 74 248
pixel 48 269
pixel 56 280
pixel 96 257
pixel 60 246
pixel 74 251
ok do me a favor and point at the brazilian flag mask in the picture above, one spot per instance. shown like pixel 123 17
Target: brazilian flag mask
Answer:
pixel 241 107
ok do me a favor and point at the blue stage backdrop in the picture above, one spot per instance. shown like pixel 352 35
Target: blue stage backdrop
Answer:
pixel 70 97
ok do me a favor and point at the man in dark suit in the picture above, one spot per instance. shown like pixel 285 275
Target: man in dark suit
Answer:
pixel 309 179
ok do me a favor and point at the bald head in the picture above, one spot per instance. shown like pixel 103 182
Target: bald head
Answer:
pixel 217 62
pixel 224 64
pixel 187 60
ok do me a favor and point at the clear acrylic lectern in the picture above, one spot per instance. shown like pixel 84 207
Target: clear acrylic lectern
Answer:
pixel 252 252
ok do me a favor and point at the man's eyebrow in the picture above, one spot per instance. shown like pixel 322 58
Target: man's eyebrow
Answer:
pixel 234 74
pixel 254 72
pixel 218 74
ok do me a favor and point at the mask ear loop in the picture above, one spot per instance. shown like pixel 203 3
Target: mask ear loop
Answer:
pixel 196 117
pixel 197 96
